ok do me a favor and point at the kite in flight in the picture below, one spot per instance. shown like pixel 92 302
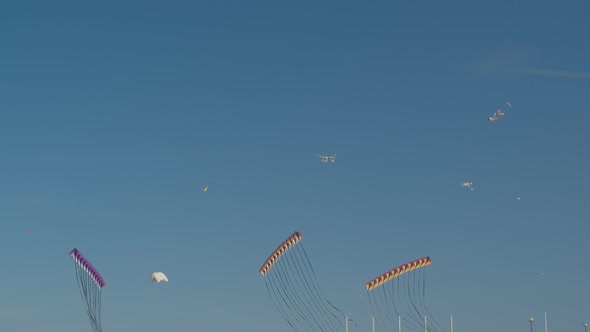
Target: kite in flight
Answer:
pixel 327 159
pixel 497 115
pixel 292 285
pixel 467 185
pixel 400 295
pixel 205 188
pixel 90 284
pixel 159 276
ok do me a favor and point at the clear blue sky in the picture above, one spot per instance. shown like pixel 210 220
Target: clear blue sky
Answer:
pixel 115 113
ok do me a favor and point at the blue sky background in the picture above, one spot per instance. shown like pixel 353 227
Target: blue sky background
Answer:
pixel 115 113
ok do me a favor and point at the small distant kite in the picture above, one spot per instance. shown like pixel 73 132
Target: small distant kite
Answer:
pixel 497 115
pixel 159 276
pixel 467 185
pixel 509 104
pixel 327 159
pixel 518 198
pixel 28 231
pixel 205 188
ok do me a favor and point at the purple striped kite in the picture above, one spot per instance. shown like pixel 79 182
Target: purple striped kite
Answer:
pixel 90 283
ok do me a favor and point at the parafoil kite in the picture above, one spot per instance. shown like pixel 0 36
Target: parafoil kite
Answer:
pixel 90 283
pixel 399 295
pixel 327 159
pixel 159 276
pixel 292 285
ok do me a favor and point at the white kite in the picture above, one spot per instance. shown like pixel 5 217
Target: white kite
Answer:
pixel 467 185
pixel 327 159
pixel 159 276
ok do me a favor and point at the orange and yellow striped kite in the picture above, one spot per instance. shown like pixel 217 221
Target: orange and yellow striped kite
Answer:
pixel 291 241
pixel 415 264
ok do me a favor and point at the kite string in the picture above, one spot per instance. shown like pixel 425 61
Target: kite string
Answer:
pixel 283 268
pixel 274 297
pixel 311 273
pixel 301 282
pixel 281 289
pixel 425 307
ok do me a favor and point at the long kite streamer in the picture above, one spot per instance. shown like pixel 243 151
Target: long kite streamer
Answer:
pixel 292 284
pixel 90 283
pixel 400 294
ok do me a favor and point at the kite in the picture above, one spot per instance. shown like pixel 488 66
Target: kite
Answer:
pixel 509 104
pixel 28 232
pixel 467 185
pixel 205 188
pixel 399 295
pixel 327 159
pixel 292 285
pixel 159 276
pixel 497 115
pixel 90 283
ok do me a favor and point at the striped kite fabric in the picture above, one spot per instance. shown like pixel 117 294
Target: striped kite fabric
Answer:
pixel 291 241
pixel 398 271
pixel 91 270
